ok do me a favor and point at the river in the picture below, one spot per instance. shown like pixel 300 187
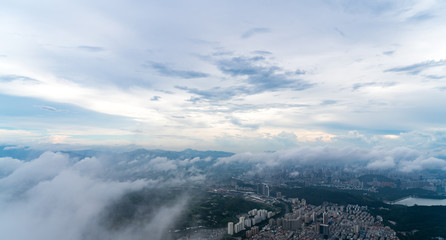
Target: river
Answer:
pixel 411 201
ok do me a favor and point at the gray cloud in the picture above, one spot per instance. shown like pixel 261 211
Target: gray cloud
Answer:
pixel 165 70
pixel 415 69
pixel 328 102
pixel 258 77
pixel 423 16
pixel 10 78
pixel 357 86
pixel 341 33
pixel 435 77
pixel 237 122
pixel 155 98
pixel 388 53
pixel 90 48
pixel 253 31
pixel 262 52
pixel 216 93
pixel 261 78
pixel 50 108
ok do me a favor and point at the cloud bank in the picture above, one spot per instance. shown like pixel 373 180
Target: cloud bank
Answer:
pixel 56 196
pixel 401 158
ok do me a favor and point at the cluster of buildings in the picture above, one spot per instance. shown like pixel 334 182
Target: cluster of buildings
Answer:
pixel 328 221
pixel 249 221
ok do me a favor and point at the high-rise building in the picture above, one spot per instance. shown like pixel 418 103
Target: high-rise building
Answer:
pixel 324 230
pixel 263 189
pixel 242 222
pixel 248 234
pixel 356 228
pixel 230 228
pixel 255 230
pixel 325 218
pixel 247 222
pixel 237 227
pixel 307 218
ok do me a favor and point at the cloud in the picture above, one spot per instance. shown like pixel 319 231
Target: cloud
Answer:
pixel 416 68
pixel 51 109
pixel 18 78
pixel 260 75
pixel 162 164
pixel 8 165
pixel 262 52
pixel 422 163
pixel 256 76
pixel 90 48
pixel 58 197
pixel 385 163
pixel 328 102
pixel 155 98
pixel 388 53
pixel 237 122
pixel 165 70
pixel 216 93
pixel 400 158
pixel 340 32
pixel 254 31
pixel 357 86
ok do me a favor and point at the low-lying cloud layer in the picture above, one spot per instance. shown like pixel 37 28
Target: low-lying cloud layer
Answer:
pixel 56 196
pixel 400 159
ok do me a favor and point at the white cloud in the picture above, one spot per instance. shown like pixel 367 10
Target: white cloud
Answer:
pixel 100 63
pixel 55 197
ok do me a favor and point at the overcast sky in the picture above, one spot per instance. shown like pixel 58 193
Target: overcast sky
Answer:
pixel 224 75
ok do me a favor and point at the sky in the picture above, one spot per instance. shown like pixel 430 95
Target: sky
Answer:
pixel 224 75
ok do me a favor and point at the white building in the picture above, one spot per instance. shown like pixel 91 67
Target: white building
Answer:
pixel 230 228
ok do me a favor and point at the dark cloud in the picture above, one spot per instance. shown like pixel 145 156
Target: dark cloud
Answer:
pixel 253 31
pixel 415 69
pixel 90 48
pixel 170 72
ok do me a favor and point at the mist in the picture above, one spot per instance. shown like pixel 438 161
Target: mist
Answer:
pixel 56 196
